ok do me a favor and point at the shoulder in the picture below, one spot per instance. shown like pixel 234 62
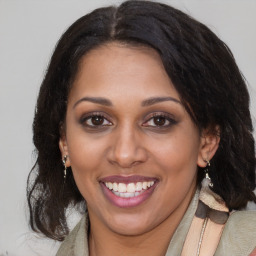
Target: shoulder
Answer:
pixel 239 234
pixel 74 244
pixel 242 223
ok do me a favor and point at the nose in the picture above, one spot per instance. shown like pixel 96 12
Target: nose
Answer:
pixel 127 148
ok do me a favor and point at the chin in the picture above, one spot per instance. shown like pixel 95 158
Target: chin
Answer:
pixel 131 225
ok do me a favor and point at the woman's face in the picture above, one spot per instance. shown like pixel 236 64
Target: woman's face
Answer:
pixel 132 146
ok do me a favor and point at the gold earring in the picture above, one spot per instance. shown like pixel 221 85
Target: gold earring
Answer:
pixel 65 167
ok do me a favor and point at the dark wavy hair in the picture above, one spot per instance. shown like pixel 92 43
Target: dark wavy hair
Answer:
pixel 203 71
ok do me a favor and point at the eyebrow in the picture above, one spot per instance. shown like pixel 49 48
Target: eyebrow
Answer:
pixel 108 103
pixel 98 100
pixel 155 100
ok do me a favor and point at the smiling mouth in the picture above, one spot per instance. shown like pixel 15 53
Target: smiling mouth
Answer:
pixel 129 190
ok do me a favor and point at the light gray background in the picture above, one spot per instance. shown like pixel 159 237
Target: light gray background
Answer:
pixel 29 30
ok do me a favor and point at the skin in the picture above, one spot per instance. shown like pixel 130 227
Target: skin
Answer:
pixel 130 141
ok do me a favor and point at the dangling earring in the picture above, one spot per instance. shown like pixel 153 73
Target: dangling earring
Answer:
pixel 210 204
pixel 65 167
pixel 207 177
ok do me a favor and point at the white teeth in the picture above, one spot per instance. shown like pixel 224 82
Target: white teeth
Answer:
pixel 127 195
pixel 116 193
pixel 115 187
pixel 139 186
pixel 110 185
pixel 144 185
pixel 130 189
pixel 121 188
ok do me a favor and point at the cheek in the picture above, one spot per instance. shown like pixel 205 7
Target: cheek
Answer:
pixel 86 156
pixel 178 154
pixel 84 163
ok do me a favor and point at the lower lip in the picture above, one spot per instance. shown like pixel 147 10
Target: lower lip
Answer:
pixel 127 202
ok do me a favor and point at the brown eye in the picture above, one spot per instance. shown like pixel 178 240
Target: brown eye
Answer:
pixel 97 120
pixel 159 120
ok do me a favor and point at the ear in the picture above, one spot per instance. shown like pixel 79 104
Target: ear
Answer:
pixel 63 146
pixel 210 140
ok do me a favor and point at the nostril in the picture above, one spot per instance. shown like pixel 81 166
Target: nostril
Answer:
pixel 127 158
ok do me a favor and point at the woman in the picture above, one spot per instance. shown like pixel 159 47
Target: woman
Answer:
pixel 144 115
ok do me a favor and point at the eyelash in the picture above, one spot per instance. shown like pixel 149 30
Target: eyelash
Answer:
pixel 88 118
pixel 165 116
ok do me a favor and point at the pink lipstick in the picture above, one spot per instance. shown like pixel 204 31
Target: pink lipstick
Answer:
pixel 128 191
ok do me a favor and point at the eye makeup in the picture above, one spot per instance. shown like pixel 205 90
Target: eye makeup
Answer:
pixel 160 121
pixel 95 120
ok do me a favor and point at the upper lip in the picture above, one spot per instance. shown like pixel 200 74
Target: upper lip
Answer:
pixel 127 179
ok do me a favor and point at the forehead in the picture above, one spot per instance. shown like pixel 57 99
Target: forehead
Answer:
pixel 115 69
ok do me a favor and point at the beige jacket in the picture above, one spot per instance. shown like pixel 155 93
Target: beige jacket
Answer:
pixel 238 238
